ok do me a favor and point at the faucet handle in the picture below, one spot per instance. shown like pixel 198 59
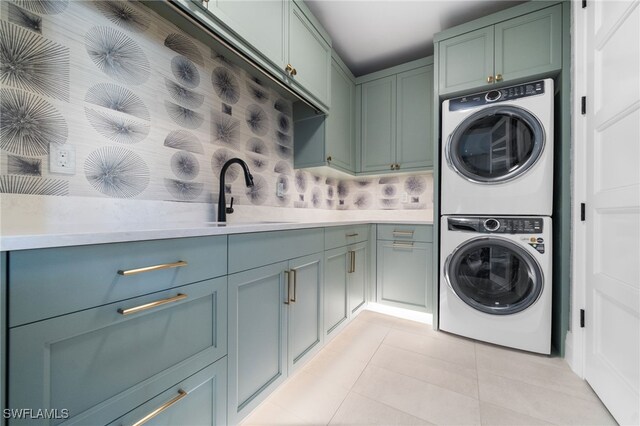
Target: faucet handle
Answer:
pixel 230 208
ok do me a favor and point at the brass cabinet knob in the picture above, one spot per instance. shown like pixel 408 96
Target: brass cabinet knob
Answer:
pixel 294 71
pixel 498 77
pixel 490 79
pixel 393 167
pixel 329 158
pixel 397 166
pixel 289 68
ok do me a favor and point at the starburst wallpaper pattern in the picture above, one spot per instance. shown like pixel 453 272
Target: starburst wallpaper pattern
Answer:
pixel 153 114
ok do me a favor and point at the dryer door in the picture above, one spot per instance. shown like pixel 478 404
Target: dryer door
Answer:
pixel 494 276
pixel 496 144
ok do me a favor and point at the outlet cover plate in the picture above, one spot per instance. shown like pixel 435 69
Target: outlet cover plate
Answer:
pixel 62 159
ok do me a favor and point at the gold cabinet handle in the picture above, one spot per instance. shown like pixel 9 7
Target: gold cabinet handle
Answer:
pixel 146 306
pixel 295 284
pixel 402 244
pixel 352 235
pixel 403 233
pixel 490 79
pixel 178 264
pixel 353 261
pixel 329 158
pixel 498 77
pixel 287 275
pixel 290 69
pixel 160 409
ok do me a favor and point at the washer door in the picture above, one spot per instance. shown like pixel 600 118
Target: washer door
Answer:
pixel 494 276
pixel 496 144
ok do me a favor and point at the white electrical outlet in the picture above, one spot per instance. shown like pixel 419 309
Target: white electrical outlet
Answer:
pixel 280 189
pixel 62 159
pixel 404 198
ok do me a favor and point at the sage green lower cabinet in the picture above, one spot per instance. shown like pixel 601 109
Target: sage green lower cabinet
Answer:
pixel 336 309
pixel 274 324
pixel 403 270
pixel 357 276
pixel 103 362
pixel 344 285
pixel 200 400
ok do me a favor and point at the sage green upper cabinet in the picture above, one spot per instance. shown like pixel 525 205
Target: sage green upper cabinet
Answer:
pixel 321 140
pixel 415 119
pixel 378 124
pixel 524 47
pixel 475 47
pixel 262 23
pixel 396 118
pixel 309 55
pixel 340 146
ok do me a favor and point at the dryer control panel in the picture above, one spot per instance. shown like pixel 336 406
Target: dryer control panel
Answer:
pixel 499 95
pixel 496 225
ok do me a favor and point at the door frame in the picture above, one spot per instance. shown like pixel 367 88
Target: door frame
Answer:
pixel 575 338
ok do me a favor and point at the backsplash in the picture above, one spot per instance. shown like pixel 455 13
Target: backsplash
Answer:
pixel 149 113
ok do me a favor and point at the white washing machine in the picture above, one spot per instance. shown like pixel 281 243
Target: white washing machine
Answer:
pixel 497 151
pixel 495 280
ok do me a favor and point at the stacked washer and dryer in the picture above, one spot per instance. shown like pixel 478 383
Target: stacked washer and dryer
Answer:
pixel 496 204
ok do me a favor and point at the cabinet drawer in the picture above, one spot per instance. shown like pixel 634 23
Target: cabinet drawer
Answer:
pixel 51 282
pixel 247 251
pixel 340 236
pixel 199 400
pixel 94 362
pixel 398 232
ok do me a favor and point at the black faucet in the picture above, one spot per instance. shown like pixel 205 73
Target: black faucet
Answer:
pixel 222 202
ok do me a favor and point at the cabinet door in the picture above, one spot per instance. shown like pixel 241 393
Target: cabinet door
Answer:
pixel 378 124
pixel 466 61
pixel 310 55
pixel 263 23
pixel 357 278
pixel 403 270
pixel 257 336
pixel 305 326
pixel 101 363
pixel 529 45
pixel 199 400
pixel 335 289
pixel 414 146
pixel 340 142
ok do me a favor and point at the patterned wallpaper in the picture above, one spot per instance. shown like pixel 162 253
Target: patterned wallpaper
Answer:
pixel 152 114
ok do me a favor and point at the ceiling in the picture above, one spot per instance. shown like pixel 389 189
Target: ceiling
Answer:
pixel 370 35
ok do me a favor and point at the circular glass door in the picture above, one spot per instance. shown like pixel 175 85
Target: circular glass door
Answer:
pixel 496 144
pixel 494 276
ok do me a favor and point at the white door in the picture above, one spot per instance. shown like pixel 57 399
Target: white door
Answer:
pixel 613 206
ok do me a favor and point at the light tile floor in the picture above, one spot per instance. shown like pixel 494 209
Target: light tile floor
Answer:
pixel 389 371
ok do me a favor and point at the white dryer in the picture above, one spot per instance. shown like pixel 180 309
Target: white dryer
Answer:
pixel 497 151
pixel 495 280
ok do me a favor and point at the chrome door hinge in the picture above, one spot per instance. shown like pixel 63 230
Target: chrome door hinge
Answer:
pixel 583 213
pixel 583 105
pixel 581 318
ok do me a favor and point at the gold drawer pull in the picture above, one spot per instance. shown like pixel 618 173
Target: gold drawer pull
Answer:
pixel 352 235
pixel 177 264
pixel 177 297
pixel 160 409
pixel 400 244
pixel 403 233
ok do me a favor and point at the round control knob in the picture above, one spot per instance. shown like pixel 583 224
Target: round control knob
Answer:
pixel 491 225
pixel 493 95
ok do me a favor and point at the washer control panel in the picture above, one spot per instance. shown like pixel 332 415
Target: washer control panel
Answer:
pixel 497 225
pixel 498 95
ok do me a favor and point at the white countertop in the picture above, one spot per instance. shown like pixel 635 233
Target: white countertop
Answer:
pixel 45 236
